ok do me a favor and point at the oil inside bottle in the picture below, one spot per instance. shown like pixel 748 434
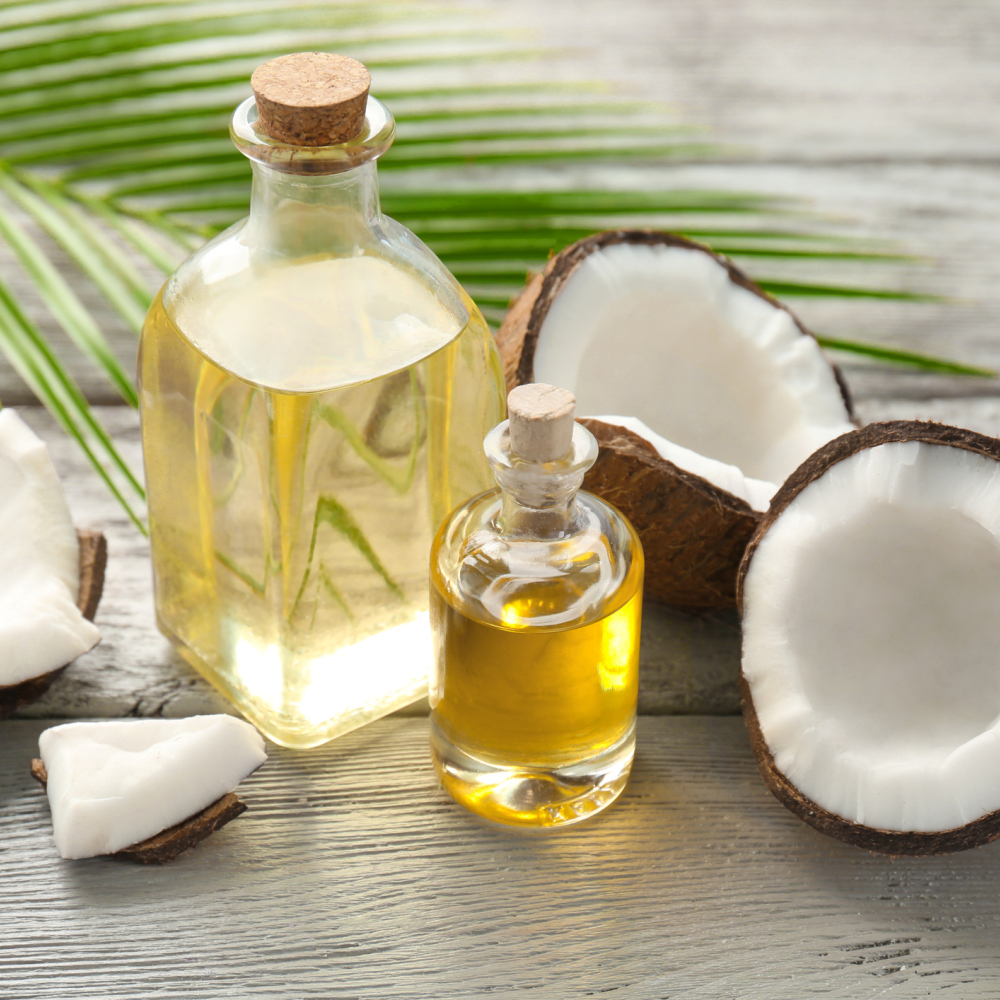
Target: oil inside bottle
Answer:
pixel 531 702
pixel 296 480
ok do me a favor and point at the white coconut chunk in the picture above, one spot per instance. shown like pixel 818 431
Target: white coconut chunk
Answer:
pixel 41 628
pixel 872 638
pixel 114 784
pixel 662 334
pixel 755 492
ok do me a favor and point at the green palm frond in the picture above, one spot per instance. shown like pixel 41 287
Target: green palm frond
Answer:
pixel 114 145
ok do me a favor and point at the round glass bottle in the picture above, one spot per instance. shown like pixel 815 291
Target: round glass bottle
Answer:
pixel 536 603
pixel 314 386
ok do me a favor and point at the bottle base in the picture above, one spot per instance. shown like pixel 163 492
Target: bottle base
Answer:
pixel 533 797
pixel 291 728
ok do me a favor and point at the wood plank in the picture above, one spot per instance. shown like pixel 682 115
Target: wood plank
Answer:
pixel 353 875
pixel 981 415
pixel 689 662
pixel 842 80
pixel 870 114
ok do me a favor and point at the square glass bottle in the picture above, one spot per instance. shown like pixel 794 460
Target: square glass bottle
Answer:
pixel 314 386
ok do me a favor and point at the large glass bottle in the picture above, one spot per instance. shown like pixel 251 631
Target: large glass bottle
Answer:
pixel 536 602
pixel 314 388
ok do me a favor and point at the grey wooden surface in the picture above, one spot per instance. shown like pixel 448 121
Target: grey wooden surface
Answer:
pixel 881 117
pixel 353 875
pixel 689 662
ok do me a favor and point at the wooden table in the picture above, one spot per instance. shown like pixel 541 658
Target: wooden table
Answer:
pixel 353 875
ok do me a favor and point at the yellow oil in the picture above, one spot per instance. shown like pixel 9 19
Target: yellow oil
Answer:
pixel 290 529
pixel 521 702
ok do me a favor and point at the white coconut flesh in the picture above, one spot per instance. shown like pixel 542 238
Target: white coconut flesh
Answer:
pixel 114 784
pixel 662 334
pixel 872 638
pixel 41 628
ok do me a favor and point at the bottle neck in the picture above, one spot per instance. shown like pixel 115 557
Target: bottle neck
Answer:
pixel 518 518
pixel 301 215
pixel 538 499
pixel 310 200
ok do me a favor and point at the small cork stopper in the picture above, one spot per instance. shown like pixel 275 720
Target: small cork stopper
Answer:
pixel 311 98
pixel 541 421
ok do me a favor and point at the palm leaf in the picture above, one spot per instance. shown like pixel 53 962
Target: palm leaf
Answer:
pixel 31 357
pixel 909 359
pixel 68 310
pixel 114 136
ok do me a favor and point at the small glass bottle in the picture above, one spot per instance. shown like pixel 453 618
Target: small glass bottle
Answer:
pixel 536 603
pixel 314 387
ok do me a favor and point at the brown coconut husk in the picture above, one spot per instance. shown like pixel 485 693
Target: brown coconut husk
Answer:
pixel 892 842
pixel 693 533
pixel 175 840
pixel 93 563
pixel 665 503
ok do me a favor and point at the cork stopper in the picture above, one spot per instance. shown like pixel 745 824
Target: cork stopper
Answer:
pixel 540 422
pixel 311 98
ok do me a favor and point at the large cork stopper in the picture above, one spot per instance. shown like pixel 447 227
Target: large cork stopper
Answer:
pixel 541 422
pixel 311 98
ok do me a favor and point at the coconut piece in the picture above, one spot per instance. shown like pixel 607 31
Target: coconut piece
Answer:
pixel 665 503
pixel 171 843
pixel 871 642
pixel 754 492
pixel 50 579
pixel 669 335
pixel 93 563
pixel 93 566
pixel 146 788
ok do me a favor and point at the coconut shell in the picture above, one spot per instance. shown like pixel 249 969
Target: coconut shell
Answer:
pixel 175 840
pixel 693 533
pixel 93 562
pixel 666 503
pixel 892 842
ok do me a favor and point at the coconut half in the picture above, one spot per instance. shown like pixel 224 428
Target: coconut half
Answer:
pixel 719 393
pixel 871 639
pixel 51 577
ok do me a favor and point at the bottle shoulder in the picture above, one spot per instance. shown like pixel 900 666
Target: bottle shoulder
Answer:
pixel 322 321
pixel 248 250
pixel 550 582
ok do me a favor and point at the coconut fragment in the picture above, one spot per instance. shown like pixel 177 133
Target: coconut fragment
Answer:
pixel 754 492
pixel 719 378
pixel 41 627
pixel 871 639
pixel 114 785
pixel 693 533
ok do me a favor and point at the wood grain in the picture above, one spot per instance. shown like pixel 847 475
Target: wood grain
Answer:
pixel 838 81
pixel 890 145
pixel 689 662
pixel 878 117
pixel 353 875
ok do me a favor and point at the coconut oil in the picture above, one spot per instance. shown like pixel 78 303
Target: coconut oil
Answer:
pixel 314 388
pixel 536 600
